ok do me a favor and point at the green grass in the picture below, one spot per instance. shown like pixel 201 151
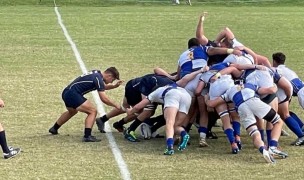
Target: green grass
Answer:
pixel 37 63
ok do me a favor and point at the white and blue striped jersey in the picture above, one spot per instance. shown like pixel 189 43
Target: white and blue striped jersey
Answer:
pixel 193 59
pixel 294 79
pixel 240 93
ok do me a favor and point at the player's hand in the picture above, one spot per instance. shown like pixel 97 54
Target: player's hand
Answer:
pixel 1 103
pixel 261 67
pixel 202 17
pixel 205 69
pixel 128 111
pixel 237 52
pixel 118 83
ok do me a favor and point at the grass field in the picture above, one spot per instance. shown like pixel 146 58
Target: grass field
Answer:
pixel 36 63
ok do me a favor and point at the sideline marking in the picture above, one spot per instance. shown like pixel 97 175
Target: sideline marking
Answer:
pixel 115 150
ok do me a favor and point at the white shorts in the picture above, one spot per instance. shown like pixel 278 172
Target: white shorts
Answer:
pixel 191 86
pixel 282 95
pixel 251 108
pixel 301 97
pixel 178 99
pixel 220 86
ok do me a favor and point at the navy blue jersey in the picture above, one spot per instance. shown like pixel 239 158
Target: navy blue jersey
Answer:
pixel 150 82
pixel 88 82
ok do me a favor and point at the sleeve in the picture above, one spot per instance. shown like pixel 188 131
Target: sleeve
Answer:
pixel 99 83
pixel 225 97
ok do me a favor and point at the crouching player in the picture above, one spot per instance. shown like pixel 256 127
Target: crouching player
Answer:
pixel 248 106
pixel 176 102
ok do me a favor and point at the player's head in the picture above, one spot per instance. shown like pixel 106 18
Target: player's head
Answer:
pixel 278 59
pixel 110 75
pixel 193 42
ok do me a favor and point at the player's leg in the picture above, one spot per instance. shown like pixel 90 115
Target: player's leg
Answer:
pixel 88 108
pixel 8 152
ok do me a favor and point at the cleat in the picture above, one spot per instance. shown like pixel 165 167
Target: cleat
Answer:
pixel 203 143
pixel 284 133
pixel 90 139
pixel 145 131
pixel 13 152
pixel 234 148
pixel 211 135
pixel 268 157
pixel 118 127
pixel 184 143
pixel 53 131
pixel 276 153
pixel 298 142
pixel 239 144
pixel 130 136
pixel 169 151
pixel 100 125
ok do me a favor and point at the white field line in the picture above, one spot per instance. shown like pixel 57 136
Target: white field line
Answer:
pixel 115 150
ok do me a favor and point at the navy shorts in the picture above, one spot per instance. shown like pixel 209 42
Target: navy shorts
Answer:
pixel 132 95
pixel 72 99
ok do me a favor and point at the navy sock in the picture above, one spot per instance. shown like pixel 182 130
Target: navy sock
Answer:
pixel 121 122
pixel 170 142
pixel 261 149
pixel 104 118
pixel 230 136
pixel 158 125
pixel 262 134
pixel 294 126
pixel 183 133
pixel 87 132
pixel 3 142
pixel 153 120
pixel 134 125
pixel 56 126
pixel 268 134
pixel 237 128
pixel 202 130
pixel 273 143
pixel 299 121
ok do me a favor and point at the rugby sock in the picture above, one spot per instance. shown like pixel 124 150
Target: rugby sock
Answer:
pixel 188 127
pixel 170 142
pixel 202 132
pixel 273 144
pixel 153 120
pixel 183 133
pixel 268 134
pixel 261 149
pixel 121 122
pixel 230 136
pixel 56 126
pixel 158 125
pixel 134 125
pixel 262 134
pixel 87 132
pixel 104 118
pixel 294 126
pixel 3 142
pixel 294 116
pixel 237 128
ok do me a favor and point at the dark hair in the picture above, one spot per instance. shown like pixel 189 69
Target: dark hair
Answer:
pixel 113 71
pixel 193 42
pixel 279 57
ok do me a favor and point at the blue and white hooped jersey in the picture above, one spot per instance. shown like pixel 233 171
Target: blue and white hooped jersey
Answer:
pixel 88 82
pixel 294 79
pixel 193 59
pixel 240 93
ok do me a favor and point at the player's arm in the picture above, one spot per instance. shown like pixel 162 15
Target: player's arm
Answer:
pixel 199 88
pixel 203 40
pixel 285 85
pixel 231 70
pixel 104 98
pixel 162 72
pixel 178 73
pixel 138 107
pixel 267 90
pixel 112 86
pixel 216 50
pixel 248 66
pixel 215 102
pixel 184 81
pixel 1 103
